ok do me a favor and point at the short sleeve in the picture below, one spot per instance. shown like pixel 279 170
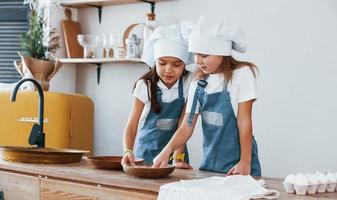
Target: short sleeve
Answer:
pixel 247 84
pixel 141 91
pixel 187 83
pixel 190 99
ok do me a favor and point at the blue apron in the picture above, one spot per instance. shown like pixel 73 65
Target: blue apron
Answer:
pixel 159 128
pixel 221 144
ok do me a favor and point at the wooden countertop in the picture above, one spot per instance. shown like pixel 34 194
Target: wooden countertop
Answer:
pixel 81 173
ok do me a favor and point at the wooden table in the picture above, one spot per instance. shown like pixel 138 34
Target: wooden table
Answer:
pixel 78 181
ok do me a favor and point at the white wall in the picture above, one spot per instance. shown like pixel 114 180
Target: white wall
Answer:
pixel 293 43
pixel 65 79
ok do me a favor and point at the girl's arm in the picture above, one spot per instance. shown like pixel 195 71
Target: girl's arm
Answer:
pixel 179 163
pixel 244 120
pixel 130 130
pixel 182 148
pixel 180 137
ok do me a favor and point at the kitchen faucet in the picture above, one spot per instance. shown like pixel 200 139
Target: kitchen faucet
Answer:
pixel 37 137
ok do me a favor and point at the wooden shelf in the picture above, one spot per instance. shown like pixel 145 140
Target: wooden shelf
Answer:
pixel 100 3
pixel 98 60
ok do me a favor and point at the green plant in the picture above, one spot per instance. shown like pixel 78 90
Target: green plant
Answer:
pixel 36 42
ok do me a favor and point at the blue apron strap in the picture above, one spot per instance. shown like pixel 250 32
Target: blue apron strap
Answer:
pixel 181 88
pixel 225 84
pixel 159 92
pixel 201 84
pixel 194 105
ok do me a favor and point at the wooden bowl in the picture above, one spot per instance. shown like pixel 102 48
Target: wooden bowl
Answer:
pixel 108 162
pixel 40 155
pixel 146 171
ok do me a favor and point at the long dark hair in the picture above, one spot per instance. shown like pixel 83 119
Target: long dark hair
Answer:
pixel 150 79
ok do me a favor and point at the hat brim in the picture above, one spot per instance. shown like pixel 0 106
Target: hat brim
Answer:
pixel 172 49
pixel 209 46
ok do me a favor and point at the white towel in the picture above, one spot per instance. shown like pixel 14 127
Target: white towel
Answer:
pixel 216 188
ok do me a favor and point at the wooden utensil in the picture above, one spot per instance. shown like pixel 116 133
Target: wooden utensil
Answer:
pixel 70 30
pixel 146 171
pixel 108 162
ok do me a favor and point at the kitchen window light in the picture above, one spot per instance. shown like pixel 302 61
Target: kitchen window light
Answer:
pixel 13 22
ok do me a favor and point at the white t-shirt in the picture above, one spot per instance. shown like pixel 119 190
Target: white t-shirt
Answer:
pixel 241 88
pixel 168 94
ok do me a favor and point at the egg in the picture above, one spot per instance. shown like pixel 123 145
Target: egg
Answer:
pixel 331 181
pixel 301 184
pixel 322 182
pixel 288 184
pixel 312 183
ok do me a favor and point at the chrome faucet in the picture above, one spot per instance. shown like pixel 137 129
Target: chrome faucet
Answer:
pixel 37 137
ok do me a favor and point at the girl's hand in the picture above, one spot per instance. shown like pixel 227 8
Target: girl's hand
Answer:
pixel 241 168
pixel 128 158
pixel 161 159
pixel 182 165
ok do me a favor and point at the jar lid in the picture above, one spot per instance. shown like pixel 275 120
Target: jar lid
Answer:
pixel 151 16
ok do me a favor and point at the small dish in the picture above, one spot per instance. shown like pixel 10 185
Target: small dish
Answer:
pixel 147 171
pixel 108 162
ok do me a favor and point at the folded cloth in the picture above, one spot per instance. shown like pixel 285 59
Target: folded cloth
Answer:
pixel 25 86
pixel 216 188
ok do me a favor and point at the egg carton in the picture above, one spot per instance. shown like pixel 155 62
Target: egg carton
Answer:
pixel 303 184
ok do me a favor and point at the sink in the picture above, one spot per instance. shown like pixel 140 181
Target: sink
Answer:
pixel 40 155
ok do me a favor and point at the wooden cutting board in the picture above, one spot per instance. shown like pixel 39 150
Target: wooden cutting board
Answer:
pixel 70 30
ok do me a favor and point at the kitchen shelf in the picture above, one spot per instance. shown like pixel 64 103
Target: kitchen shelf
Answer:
pixel 101 3
pixel 98 62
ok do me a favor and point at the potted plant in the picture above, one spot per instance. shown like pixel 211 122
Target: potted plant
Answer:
pixel 39 46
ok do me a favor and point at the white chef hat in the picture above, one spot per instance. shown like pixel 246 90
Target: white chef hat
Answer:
pixel 214 35
pixel 166 41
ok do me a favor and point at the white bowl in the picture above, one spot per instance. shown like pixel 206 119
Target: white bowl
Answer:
pixel 89 43
pixel 88 40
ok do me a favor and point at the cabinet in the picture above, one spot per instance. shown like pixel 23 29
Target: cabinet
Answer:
pixel 77 181
pixel 16 186
pixel 57 189
pixel 19 187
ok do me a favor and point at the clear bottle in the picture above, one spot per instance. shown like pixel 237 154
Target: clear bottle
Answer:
pixel 131 46
pixel 150 25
